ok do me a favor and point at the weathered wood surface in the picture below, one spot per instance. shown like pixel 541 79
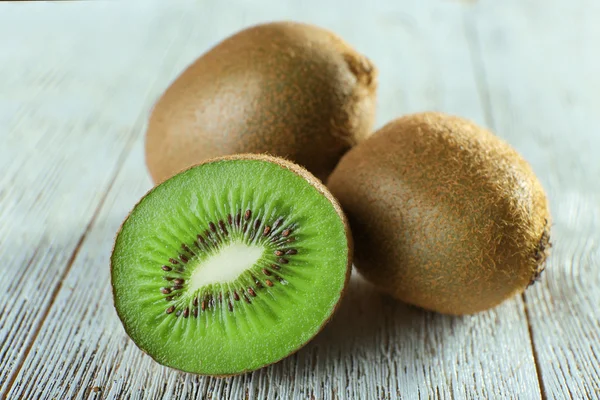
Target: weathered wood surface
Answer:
pixel 77 81
pixel 544 91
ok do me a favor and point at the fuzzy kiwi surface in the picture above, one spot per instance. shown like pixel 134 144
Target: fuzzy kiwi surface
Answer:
pixel 230 265
pixel 445 215
pixel 288 89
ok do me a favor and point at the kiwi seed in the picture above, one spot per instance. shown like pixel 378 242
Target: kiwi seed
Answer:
pixel 446 216
pixel 178 283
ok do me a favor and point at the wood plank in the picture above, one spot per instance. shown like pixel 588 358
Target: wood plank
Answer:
pixel 71 94
pixel 374 347
pixel 541 61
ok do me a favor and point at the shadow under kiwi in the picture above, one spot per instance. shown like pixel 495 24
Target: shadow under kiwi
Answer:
pixel 364 327
pixel 373 342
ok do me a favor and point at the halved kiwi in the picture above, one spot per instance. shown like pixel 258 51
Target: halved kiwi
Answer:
pixel 230 265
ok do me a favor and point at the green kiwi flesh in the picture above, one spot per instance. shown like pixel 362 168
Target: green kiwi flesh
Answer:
pixel 230 265
pixel 445 215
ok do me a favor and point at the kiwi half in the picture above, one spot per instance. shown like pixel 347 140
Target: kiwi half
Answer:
pixel 230 265
pixel 445 215
pixel 288 89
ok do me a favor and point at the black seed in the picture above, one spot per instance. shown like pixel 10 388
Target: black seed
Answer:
pixel 280 279
pixel 266 271
pixel 207 233
pixel 186 313
pixel 183 258
pixel 196 301
pixel 267 230
pixel 170 310
pixel 169 298
pixel 279 252
pixel 212 226
pixel 223 228
pixel 220 297
pixel 173 261
pixel 195 312
pixel 179 281
pixel 247 299
pixel 247 215
pixel 236 296
pixel 203 305
pixel 177 287
pixel 238 218
pixel 201 240
pixel 230 306
pixel 180 269
pixel 165 290
pixel 168 278
pixel 286 232
pixel 184 247
pixel 257 223
pixel 245 228
pixel 229 219
pixel 259 284
pixel 277 222
pixel 275 238
pixel 282 261
pixel 178 313
pixel 269 283
pixel 166 268
pixel 252 292
pixel 275 267
pixel 291 251
pixel 290 240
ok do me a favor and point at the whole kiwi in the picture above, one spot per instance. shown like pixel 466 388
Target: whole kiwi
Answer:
pixel 445 215
pixel 288 89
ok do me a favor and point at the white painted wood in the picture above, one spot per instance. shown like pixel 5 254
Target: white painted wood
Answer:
pixel 543 81
pixel 375 347
pixel 72 91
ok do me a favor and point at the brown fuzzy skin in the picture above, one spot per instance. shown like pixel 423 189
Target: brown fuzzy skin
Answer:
pixel 288 89
pixel 316 183
pixel 446 216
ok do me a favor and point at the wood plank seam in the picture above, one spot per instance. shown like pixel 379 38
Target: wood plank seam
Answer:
pixel 29 344
pixel 133 136
pixel 472 39
pixel 484 93
pixel 535 352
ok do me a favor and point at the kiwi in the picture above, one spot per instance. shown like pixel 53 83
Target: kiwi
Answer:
pixel 230 265
pixel 445 215
pixel 288 89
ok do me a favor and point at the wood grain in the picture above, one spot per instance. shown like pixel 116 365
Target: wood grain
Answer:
pixel 543 82
pixel 66 128
pixel 374 348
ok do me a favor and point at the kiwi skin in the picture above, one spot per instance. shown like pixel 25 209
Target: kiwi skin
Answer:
pixel 316 183
pixel 288 89
pixel 446 216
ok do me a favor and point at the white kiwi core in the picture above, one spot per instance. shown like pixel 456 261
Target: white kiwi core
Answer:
pixel 226 265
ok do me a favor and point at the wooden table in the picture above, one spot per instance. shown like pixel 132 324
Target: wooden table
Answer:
pixel 77 82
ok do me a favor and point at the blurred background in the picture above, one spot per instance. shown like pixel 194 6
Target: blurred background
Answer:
pixel 77 83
